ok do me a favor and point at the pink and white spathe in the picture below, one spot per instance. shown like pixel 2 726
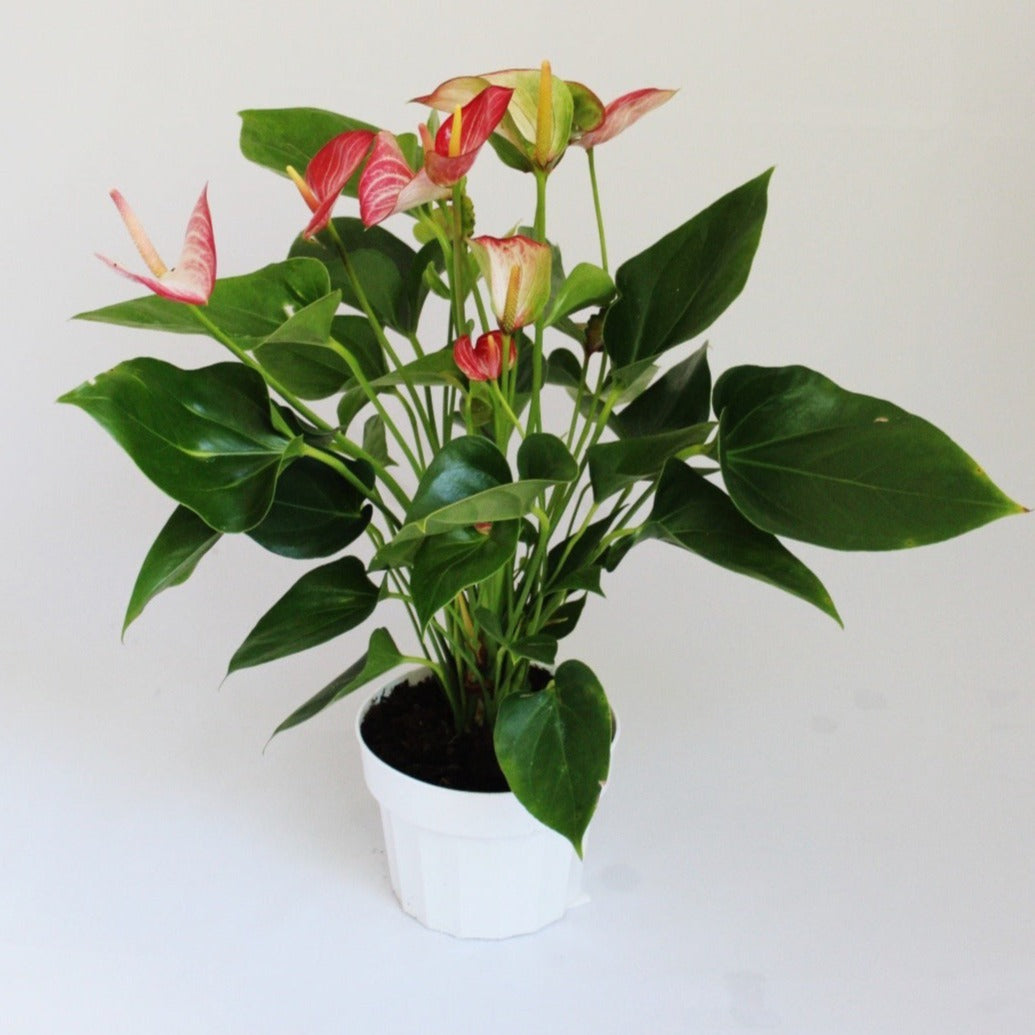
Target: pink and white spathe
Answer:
pixel 327 173
pixel 517 271
pixel 620 114
pixel 389 185
pixel 483 360
pixel 193 277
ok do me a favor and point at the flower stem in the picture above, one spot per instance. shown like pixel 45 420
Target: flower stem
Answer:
pixel 591 155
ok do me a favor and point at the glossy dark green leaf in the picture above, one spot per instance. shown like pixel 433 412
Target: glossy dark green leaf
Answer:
pixel 375 440
pixel 564 368
pixel 205 437
pixel 554 747
pixel 464 467
pixel 279 137
pixel 381 656
pixel 436 368
pixel 248 308
pixel 805 458
pixel 586 285
pixel 538 647
pixel 615 465
pixel 315 512
pixel 299 354
pixel 542 456
pixel 680 285
pixel 679 398
pixel 388 270
pixel 454 560
pixel 564 620
pixel 692 513
pixel 182 542
pixel 322 604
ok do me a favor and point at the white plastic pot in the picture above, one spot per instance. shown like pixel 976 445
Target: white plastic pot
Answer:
pixel 472 864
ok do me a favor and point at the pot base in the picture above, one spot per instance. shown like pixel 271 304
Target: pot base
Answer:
pixel 472 864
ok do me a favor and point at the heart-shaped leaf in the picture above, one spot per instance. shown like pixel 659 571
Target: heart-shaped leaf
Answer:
pixel 554 747
pixel 203 436
pixel 805 458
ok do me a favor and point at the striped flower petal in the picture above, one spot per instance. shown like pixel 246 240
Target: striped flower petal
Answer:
pixel 388 184
pixel 517 270
pixel 330 169
pixel 620 114
pixel 193 277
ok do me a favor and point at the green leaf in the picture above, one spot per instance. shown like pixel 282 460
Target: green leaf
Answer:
pixel 299 354
pixel 315 512
pixel 436 368
pixel 247 309
pixel 381 656
pixel 692 513
pixel 375 440
pixel 322 604
pixel 586 285
pixel 615 465
pixel 538 647
pixel 545 457
pixel 679 398
pixel 182 542
pixel 805 458
pixel 388 270
pixel 204 437
pixel 279 137
pixel 563 621
pixel 448 563
pixel 564 369
pixel 680 285
pixel 464 467
pixel 554 747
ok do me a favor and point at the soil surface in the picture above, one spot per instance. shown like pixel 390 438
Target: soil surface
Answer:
pixel 412 730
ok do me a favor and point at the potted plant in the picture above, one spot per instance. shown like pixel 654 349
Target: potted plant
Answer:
pixel 346 418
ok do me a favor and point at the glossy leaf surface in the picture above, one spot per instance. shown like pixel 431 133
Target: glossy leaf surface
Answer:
pixel 248 308
pixel 389 271
pixel 315 512
pixel 679 398
pixel 279 137
pixel 322 604
pixel 804 458
pixel 381 657
pixel 554 747
pixel 678 287
pixel 615 465
pixel 203 436
pixel 454 560
pixel 182 542
pixel 692 513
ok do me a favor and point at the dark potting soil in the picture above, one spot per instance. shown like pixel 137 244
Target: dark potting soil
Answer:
pixel 412 730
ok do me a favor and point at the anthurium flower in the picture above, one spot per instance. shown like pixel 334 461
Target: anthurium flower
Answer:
pixel 389 185
pixel 620 114
pixel 327 173
pixel 193 277
pixel 483 361
pixel 517 270
pixel 539 115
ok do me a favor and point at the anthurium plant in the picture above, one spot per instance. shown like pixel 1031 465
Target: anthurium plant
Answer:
pixel 346 418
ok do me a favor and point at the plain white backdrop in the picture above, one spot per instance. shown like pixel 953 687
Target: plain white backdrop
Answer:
pixel 808 830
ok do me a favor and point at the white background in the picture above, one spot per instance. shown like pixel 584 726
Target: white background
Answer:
pixel 808 830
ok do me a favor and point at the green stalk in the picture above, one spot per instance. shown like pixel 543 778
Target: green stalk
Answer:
pixel 350 447
pixel 590 154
